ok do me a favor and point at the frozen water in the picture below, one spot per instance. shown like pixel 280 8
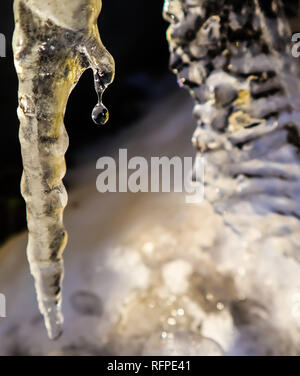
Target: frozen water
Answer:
pixel 54 43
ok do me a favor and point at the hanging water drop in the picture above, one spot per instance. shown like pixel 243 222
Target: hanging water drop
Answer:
pixel 100 114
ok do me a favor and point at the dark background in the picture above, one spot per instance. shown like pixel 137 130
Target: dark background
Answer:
pixel 134 33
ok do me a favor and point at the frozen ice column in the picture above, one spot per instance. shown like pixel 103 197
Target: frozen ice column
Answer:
pixel 54 43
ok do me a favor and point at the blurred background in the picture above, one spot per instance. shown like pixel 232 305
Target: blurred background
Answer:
pixel 144 273
pixel 135 37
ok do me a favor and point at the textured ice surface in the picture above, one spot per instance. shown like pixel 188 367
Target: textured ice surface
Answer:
pixel 54 43
pixel 235 59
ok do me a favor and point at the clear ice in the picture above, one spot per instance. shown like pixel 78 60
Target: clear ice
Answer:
pixel 54 43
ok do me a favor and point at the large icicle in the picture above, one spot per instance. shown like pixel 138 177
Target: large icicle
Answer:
pixel 54 43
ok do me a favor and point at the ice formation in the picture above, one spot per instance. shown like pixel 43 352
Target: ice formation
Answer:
pixel 231 292
pixel 54 43
pixel 236 60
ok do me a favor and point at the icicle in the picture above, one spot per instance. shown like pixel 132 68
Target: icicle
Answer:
pixel 54 43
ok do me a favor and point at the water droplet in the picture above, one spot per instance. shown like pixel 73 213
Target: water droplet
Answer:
pixel 100 114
